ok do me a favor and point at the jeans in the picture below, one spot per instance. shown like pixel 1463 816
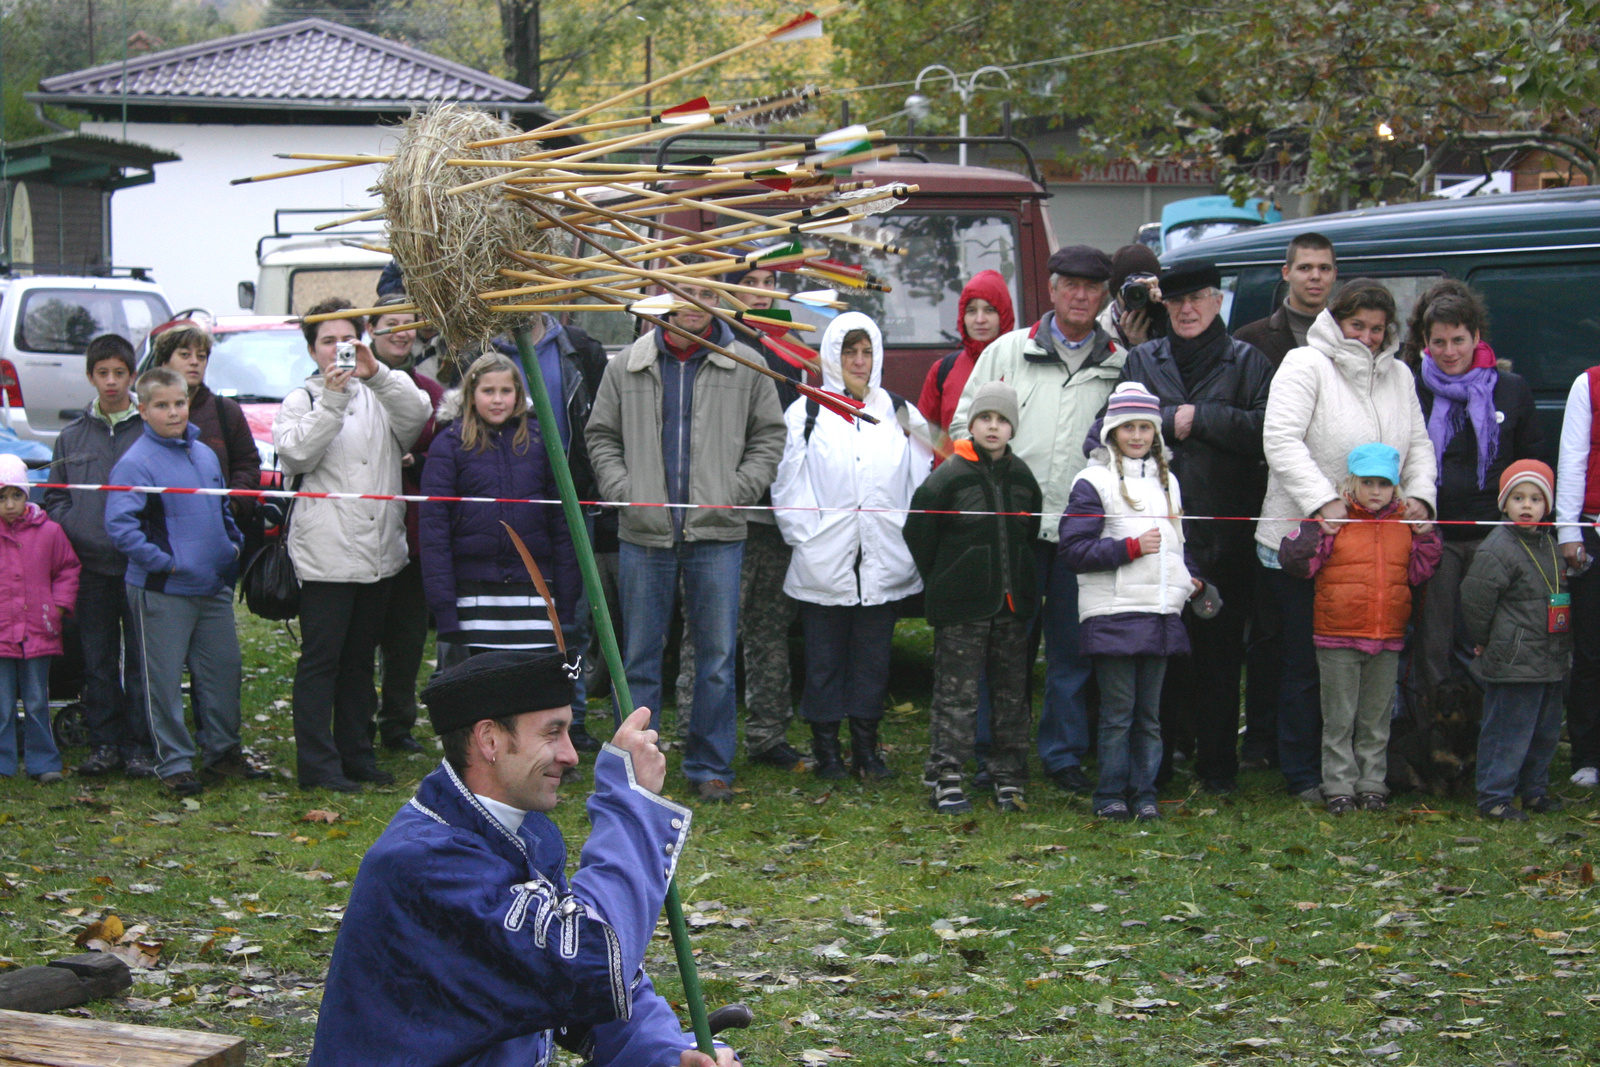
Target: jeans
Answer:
pixel 199 631
pixel 647 578
pixel 597 671
pixel 113 689
pixel 1130 728
pixel 1521 726
pixel 1357 691
pixel 334 701
pixel 847 660
pixel 1299 699
pixel 1583 707
pixel 1064 719
pixel 404 636
pixel 30 679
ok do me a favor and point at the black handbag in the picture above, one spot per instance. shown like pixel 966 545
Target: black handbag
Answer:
pixel 269 587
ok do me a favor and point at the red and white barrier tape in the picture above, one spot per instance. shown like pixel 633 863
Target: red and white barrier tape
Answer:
pixel 288 494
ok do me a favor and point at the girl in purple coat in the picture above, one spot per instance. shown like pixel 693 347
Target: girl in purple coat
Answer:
pixel 38 585
pixel 474 580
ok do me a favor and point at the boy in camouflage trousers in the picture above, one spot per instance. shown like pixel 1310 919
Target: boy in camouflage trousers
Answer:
pixel 981 593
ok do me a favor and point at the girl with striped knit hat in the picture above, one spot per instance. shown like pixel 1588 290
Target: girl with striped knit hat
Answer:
pixel 1123 535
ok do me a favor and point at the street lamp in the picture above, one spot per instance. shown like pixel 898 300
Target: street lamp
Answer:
pixel 919 108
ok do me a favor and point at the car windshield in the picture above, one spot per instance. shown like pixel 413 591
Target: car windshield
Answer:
pixel 261 364
pixel 1190 232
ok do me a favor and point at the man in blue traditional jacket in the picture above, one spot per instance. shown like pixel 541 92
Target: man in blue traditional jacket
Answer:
pixel 464 944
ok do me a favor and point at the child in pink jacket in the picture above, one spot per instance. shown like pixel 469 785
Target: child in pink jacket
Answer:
pixel 38 585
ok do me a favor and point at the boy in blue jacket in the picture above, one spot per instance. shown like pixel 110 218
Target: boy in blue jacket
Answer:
pixel 183 558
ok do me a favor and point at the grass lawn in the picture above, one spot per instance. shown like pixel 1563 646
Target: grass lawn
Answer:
pixel 861 927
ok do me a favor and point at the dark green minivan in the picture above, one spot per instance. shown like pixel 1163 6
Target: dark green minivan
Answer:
pixel 1535 257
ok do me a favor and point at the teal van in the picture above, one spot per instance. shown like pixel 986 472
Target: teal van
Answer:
pixel 1535 257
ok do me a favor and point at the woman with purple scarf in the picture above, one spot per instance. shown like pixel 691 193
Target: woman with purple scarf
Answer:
pixel 1481 419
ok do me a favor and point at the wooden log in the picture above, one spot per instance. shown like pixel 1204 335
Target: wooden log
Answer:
pixel 64 1042
pixel 64 983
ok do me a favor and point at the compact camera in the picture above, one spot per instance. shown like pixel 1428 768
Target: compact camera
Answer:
pixel 344 356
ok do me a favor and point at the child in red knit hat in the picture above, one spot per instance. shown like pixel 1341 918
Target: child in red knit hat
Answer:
pixel 1517 613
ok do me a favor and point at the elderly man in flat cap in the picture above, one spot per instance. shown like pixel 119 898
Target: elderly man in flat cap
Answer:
pixel 1213 391
pixel 1063 367
pixel 464 943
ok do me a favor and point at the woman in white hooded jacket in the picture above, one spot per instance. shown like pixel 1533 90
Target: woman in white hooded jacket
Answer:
pixel 1344 388
pixel 849 566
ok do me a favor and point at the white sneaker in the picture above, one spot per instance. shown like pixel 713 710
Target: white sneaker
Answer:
pixel 1587 777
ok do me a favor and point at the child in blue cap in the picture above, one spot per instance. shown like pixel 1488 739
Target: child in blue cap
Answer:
pixel 1364 569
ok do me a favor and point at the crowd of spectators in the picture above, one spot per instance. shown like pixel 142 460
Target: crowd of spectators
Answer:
pixel 1059 483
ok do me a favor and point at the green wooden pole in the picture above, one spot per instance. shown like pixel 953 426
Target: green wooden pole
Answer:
pixel 607 633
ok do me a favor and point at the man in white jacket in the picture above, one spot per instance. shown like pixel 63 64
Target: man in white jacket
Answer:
pixel 1063 367
pixel 344 431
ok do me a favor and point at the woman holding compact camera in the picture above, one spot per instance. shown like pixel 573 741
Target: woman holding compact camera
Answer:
pixel 344 431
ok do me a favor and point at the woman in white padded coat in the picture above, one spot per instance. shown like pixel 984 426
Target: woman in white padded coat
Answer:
pixel 848 484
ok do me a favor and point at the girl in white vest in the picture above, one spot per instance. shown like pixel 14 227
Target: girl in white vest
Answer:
pixel 1123 535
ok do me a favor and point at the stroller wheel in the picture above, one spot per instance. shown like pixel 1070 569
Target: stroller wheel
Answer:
pixel 70 726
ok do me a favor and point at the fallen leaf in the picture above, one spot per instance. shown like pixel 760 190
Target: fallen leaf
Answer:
pixel 319 815
pixel 107 929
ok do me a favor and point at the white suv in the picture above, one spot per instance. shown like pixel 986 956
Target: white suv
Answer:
pixel 46 322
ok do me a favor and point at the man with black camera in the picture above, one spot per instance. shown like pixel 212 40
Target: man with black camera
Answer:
pixel 1213 392
pixel 1135 314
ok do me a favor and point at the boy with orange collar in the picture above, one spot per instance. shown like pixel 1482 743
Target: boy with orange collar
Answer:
pixel 971 532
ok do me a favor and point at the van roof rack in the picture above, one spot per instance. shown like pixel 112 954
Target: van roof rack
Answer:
pixel 764 139
pixel 280 232
pixel 9 269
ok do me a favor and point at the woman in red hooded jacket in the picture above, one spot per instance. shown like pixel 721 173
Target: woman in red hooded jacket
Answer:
pixel 983 313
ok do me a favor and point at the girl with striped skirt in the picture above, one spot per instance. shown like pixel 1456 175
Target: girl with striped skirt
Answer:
pixel 476 584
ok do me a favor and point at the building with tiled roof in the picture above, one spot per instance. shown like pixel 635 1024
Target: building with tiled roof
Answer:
pixel 310 70
pixel 227 107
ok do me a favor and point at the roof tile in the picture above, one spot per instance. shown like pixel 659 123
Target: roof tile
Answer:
pixel 309 60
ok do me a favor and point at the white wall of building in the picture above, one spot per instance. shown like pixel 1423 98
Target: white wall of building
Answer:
pixel 198 233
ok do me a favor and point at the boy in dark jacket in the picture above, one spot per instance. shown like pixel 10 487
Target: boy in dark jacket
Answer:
pixel 183 558
pixel 1516 611
pixel 980 591
pixel 85 451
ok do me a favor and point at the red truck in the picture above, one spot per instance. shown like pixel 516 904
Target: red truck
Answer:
pixel 961 220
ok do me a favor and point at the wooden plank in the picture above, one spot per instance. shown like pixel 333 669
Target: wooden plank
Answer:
pixel 56 1041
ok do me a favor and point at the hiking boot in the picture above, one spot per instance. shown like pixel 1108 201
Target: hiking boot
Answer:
pixel 103 759
pixel 1073 780
pixel 1542 805
pixel 582 739
pixel 825 746
pixel 1009 798
pixel 139 765
pixel 1504 812
pixel 409 745
pixel 1114 811
pixel 337 785
pixel 374 774
pixel 866 759
pixel 184 784
pixel 1147 811
pixel 1372 802
pixel 1341 805
pixel 982 778
pixel 715 791
pixel 235 764
pixel 48 777
pixel 783 755
pixel 948 799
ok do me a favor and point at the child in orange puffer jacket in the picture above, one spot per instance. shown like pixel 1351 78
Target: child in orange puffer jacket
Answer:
pixel 1364 568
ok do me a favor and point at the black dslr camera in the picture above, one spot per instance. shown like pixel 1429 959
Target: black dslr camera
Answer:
pixel 1135 296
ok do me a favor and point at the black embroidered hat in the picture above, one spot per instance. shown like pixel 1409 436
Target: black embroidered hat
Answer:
pixel 494 685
